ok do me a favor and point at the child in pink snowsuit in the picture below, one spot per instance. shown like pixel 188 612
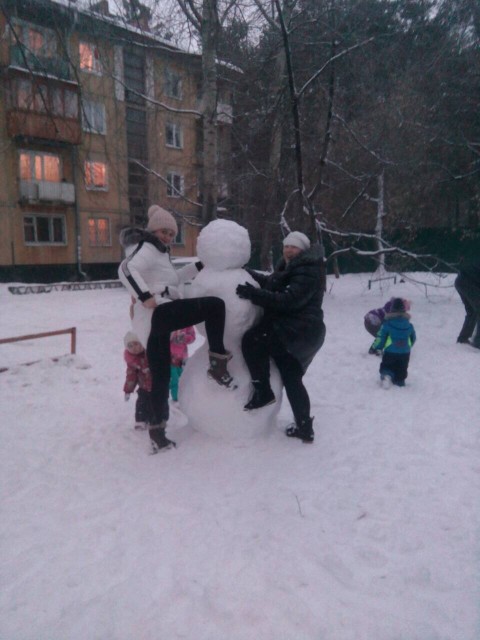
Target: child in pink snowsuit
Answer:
pixel 179 341
pixel 138 374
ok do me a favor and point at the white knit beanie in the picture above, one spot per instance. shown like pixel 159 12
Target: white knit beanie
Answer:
pixel 159 218
pixel 297 239
pixel 130 337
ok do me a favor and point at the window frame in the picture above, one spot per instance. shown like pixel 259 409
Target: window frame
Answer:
pixel 173 84
pixel 172 191
pixel 93 187
pixel 26 96
pixel 96 244
pixel 97 67
pixel 88 122
pixel 23 29
pixel 176 131
pixel 33 154
pixel 50 218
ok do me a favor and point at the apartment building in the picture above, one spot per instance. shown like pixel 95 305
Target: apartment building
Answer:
pixel 98 120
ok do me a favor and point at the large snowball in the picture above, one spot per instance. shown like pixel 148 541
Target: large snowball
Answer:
pixel 224 247
pixel 224 244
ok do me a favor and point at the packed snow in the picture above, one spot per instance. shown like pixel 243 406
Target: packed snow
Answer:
pixel 223 247
pixel 371 533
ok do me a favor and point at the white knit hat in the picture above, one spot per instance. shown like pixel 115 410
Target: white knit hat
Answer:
pixel 159 218
pixel 130 337
pixel 297 239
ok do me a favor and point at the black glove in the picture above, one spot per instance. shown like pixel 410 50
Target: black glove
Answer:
pixel 245 291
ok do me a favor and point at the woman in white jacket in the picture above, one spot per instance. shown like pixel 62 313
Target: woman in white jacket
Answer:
pixel 148 274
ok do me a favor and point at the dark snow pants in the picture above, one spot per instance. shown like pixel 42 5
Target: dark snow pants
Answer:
pixel 259 344
pixel 395 365
pixel 169 317
pixel 143 407
pixel 469 292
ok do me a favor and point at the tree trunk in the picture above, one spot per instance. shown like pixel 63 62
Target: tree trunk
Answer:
pixel 209 35
pixel 380 200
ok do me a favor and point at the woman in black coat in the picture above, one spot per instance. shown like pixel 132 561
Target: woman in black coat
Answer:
pixel 291 330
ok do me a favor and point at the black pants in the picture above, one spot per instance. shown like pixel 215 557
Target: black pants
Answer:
pixel 143 406
pixel 170 317
pixel 469 292
pixel 259 344
pixel 396 366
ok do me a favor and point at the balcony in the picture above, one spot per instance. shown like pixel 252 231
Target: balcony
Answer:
pixel 42 108
pixel 25 59
pixel 44 191
pixel 43 127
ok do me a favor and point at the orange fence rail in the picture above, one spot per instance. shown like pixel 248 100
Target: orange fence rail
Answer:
pixel 46 334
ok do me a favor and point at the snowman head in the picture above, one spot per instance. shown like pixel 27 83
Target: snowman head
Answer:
pixel 224 244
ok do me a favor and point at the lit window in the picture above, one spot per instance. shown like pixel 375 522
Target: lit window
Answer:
pixel 175 185
pixel 173 84
pixel 93 117
pixel 90 58
pixel 173 135
pixel 44 229
pixel 39 166
pixel 99 232
pixel 96 175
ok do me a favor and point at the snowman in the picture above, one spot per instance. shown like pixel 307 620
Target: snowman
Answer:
pixel 224 247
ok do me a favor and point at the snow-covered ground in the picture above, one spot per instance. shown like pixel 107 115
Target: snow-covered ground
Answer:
pixel 372 533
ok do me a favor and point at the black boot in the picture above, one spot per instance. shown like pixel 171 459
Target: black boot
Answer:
pixel 262 396
pixel 304 431
pixel 218 369
pixel 158 439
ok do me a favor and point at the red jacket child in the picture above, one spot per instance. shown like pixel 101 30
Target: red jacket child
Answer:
pixel 138 375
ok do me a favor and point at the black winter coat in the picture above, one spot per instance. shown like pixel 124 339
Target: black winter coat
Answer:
pixel 292 300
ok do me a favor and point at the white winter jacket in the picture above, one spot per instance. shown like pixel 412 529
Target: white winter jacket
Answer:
pixel 146 272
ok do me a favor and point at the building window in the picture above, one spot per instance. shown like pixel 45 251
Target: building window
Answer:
pixel 175 185
pixel 173 84
pixel 37 40
pixel 39 97
pixel 99 232
pixel 93 117
pixel 70 100
pixel 96 175
pixel 38 229
pixel 90 58
pixel 173 135
pixel 35 166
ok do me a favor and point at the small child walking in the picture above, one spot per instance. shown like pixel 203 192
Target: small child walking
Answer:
pixel 373 321
pixel 138 375
pixel 396 337
pixel 179 341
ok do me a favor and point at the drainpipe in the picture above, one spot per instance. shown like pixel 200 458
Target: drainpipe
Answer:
pixel 78 238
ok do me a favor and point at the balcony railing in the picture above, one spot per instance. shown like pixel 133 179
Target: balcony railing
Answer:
pixel 44 191
pixel 22 57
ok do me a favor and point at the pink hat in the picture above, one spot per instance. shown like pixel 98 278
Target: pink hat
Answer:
pixel 159 218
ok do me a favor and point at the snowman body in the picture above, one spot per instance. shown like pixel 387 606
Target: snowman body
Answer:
pixel 224 247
